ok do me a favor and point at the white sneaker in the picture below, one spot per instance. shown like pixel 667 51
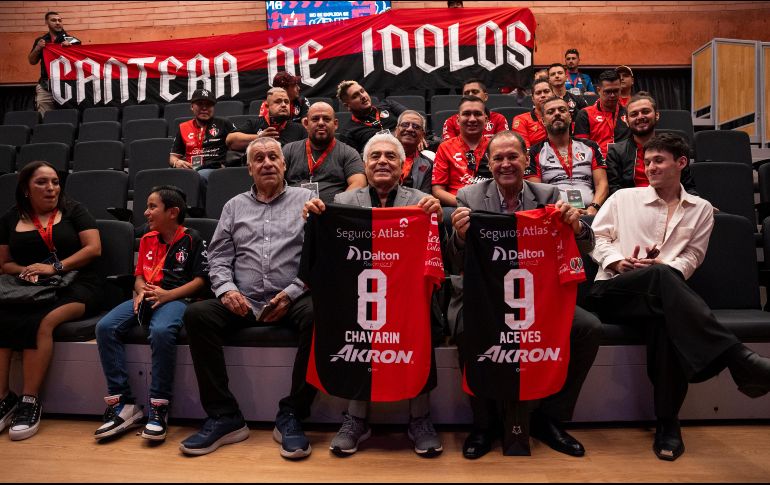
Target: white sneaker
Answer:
pixel 26 421
pixel 118 417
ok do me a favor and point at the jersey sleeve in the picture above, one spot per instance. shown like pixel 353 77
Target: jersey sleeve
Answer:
pixel 441 166
pixel 501 124
pixel 450 128
pixel 140 259
pixel 200 260
pixel 581 128
pixel 533 169
pixel 352 163
pixel 434 265
pixel 520 127
pixel 597 159
pixel 568 258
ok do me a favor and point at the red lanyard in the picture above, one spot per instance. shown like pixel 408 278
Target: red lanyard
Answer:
pixel 160 259
pixel 368 123
pixel 314 164
pixel 565 164
pixel 406 169
pixel 46 234
pixel 201 135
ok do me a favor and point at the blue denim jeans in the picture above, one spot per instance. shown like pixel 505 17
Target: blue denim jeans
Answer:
pixel 164 327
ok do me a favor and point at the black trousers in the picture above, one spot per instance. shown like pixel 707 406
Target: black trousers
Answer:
pixel 685 343
pixel 207 323
pixel 584 344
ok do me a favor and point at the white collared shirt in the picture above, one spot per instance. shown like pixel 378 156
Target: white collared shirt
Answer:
pixel 637 217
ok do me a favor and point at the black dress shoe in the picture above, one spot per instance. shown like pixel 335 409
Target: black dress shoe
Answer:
pixel 551 433
pixel 477 444
pixel 750 371
pixel 668 444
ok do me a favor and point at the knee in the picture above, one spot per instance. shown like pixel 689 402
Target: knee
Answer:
pixel 194 315
pixel 163 335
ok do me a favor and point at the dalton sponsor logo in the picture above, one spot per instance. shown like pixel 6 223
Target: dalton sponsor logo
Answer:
pixel 499 355
pixel 349 353
pixel 500 254
pixel 355 254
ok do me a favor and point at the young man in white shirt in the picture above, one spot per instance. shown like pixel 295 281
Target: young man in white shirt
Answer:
pixel 649 241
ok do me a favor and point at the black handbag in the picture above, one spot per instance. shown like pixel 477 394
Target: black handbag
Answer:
pixel 15 290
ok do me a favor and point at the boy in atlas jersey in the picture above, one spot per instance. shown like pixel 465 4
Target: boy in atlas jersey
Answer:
pixel 172 266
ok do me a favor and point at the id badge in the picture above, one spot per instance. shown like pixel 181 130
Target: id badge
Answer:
pixel 313 187
pixel 575 91
pixel 197 161
pixel 575 199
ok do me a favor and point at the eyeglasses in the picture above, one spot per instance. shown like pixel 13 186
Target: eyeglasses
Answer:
pixel 471 158
pixel 405 125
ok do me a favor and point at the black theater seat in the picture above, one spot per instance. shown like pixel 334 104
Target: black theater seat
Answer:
pixel 261 336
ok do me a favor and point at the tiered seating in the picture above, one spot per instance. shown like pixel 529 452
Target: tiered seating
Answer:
pixel 7 159
pixel 98 155
pixel 55 153
pixel 16 135
pixel 99 190
pixel 99 130
pixel 107 113
pixel 27 118
pixel 8 183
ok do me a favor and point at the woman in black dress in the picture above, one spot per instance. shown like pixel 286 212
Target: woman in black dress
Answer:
pixel 43 235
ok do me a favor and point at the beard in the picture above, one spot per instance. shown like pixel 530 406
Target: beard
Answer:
pixel 557 130
pixel 650 128
pixel 279 118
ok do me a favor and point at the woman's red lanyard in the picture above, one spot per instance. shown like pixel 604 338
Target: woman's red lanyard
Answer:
pixel 46 234
pixel 160 259
pixel 368 123
pixel 565 164
pixel 312 165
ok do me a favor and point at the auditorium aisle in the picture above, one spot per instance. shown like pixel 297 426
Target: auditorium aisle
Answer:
pixel 64 451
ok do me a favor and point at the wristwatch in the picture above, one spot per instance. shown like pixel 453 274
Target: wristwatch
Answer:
pixel 58 267
pixel 595 205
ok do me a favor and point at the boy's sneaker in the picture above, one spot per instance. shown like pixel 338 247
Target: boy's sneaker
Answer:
pixel 351 434
pixel 216 432
pixel 26 421
pixel 288 433
pixel 7 407
pixel 155 429
pixel 118 418
pixel 426 441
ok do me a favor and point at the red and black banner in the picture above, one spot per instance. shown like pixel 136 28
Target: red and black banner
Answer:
pixel 520 286
pixel 371 273
pixel 397 50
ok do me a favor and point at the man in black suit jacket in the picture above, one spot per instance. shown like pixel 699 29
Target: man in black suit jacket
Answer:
pixel 507 159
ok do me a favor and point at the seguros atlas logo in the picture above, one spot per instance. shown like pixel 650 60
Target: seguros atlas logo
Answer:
pixel 355 254
pixel 500 254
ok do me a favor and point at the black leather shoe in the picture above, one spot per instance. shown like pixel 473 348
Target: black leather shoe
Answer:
pixel 668 444
pixel 477 444
pixel 750 371
pixel 551 433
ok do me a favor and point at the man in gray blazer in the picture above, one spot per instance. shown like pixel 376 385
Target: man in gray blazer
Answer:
pixel 508 192
pixel 383 160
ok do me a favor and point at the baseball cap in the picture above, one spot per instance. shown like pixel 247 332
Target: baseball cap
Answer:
pixel 203 95
pixel 627 69
pixel 283 80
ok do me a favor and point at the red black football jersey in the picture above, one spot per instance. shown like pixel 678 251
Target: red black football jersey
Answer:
pixel 371 273
pixel 520 286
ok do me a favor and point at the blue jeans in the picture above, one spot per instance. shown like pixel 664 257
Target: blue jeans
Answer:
pixel 164 327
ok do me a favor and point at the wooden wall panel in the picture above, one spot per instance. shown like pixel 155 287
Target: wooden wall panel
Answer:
pixel 701 73
pixel 766 107
pixel 736 81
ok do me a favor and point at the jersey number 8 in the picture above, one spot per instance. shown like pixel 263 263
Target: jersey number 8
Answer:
pixel 371 299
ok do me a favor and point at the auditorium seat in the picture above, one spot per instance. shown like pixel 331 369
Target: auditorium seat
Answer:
pixel 53 132
pixel 677 119
pixel 103 113
pixel 99 130
pixel 7 159
pixel 99 190
pixel 116 268
pixel 140 112
pixel 511 112
pixel 57 154
pixel 147 154
pixel 71 116
pixel 416 103
pixel 239 120
pixel 176 110
pixel 174 126
pixel 203 225
pixel 254 106
pixel 226 109
pixel 443 102
pixel 8 183
pixel 98 155
pixel 27 118
pixel 223 185
pixel 728 186
pixel 345 120
pixel 723 146
pixel 330 101
pixel 16 135
pixel 501 101
pixel 438 119
pixel 187 180
pixel 135 130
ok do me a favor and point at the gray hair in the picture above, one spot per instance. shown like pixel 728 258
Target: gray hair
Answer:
pixel 262 141
pixel 386 137
pixel 416 113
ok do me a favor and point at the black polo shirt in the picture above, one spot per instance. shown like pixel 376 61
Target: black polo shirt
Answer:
pixel 384 116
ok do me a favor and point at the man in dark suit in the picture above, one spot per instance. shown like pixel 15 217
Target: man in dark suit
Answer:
pixel 383 160
pixel 508 192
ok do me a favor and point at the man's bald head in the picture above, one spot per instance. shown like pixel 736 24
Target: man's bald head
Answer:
pixel 321 124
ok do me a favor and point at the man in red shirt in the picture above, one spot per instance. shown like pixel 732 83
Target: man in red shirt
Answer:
pixel 460 159
pixel 530 125
pixel 604 122
pixel 626 84
pixel 495 123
